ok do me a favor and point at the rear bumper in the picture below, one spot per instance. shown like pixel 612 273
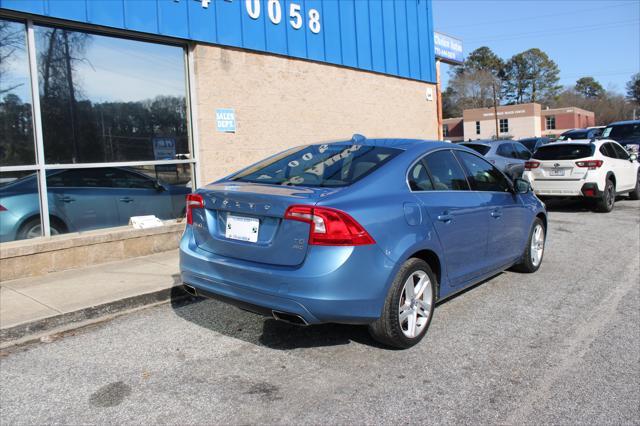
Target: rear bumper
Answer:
pixel 333 284
pixel 561 188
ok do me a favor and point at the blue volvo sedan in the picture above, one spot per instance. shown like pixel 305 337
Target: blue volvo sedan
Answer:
pixel 364 231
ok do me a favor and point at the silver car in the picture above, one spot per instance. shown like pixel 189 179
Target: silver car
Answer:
pixel 507 155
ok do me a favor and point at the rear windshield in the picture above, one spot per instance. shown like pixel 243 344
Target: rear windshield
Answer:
pixel 481 149
pixel 622 131
pixel 331 165
pixel 574 135
pixel 563 151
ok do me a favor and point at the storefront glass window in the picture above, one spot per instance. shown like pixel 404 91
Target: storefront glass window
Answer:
pixel 108 99
pixel 87 199
pixel 16 124
pixel 19 206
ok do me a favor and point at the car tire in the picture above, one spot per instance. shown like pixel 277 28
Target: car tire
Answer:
pixel 635 194
pixel 606 202
pixel 404 322
pixel 534 253
pixel 33 229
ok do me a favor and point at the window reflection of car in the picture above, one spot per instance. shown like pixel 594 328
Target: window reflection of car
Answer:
pixel 508 156
pixel 85 199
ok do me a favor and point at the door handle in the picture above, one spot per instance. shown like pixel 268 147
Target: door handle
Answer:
pixel 126 199
pixel 67 199
pixel 496 213
pixel 445 217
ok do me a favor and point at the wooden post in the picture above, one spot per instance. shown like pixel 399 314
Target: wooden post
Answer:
pixel 439 100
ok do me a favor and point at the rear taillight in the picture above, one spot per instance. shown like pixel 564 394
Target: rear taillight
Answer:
pixel 590 164
pixel 194 201
pixel 530 165
pixel 329 227
pixel 2 208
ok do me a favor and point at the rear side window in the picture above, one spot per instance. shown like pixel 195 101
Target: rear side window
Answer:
pixel 446 172
pixel 621 153
pixel 330 165
pixel 419 179
pixel 522 152
pixel 480 149
pixel 564 151
pixel 506 150
pixel 482 175
pixel 607 150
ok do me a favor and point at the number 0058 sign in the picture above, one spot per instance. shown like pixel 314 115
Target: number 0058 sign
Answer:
pixel 274 11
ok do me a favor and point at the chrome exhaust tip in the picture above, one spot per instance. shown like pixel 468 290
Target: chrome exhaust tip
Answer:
pixel 190 289
pixel 289 318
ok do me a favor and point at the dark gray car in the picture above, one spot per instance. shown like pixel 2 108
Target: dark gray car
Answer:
pixel 508 156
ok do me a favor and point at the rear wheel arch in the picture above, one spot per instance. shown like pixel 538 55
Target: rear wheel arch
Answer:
pixel 433 260
pixel 611 177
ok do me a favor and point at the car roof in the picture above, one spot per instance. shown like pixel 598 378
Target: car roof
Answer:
pixel 618 123
pixel 399 143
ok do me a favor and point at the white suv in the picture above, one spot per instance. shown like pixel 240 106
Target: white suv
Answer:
pixel 596 170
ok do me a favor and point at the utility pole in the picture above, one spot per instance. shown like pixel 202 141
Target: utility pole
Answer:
pixel 495 107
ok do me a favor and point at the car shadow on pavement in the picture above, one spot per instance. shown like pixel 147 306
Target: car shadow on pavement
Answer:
pixel 572 205
pixel 264 331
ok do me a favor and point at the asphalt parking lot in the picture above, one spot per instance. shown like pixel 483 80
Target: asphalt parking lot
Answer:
pixel 560 346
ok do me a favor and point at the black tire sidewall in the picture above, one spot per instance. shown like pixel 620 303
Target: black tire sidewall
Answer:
pixel 393 334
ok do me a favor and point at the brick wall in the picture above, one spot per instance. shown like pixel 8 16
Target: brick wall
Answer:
pixel 282 102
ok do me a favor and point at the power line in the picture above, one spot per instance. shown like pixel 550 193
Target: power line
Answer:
pixel 532 18
pixel 560 31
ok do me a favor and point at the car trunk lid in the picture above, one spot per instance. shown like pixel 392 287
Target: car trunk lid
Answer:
pixel 246 221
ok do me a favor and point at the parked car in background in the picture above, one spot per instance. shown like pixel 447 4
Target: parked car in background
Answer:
pixel 578 134
pixel 85 199
pixel 534 143
pixel 597 171
pixel 626 133
pixel 506 155
pixel 366 231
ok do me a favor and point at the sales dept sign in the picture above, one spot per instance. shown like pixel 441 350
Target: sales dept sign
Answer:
pixel 226 120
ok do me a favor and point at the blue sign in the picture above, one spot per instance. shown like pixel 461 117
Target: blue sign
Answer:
pixel 226 120
pixel 387 36
pixel 448 49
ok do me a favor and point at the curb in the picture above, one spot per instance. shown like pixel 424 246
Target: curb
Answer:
pixel 70 320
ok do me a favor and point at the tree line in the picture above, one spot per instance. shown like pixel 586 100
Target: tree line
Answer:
pixel 485 80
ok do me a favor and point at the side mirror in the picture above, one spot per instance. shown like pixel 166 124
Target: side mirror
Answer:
pixel 521 186
pixel 160 187
pixel 633 157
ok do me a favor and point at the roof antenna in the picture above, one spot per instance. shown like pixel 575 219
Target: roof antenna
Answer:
pixel 357 137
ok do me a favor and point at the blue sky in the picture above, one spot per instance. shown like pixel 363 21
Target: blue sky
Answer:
pixel 598 38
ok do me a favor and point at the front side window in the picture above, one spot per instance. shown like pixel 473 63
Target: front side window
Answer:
pixel 109 99
pixel 504 125
pixel 445 171
pixel 551 122
pixel 479 148
pixel 16 127
pixel 482 175
pixel 319 165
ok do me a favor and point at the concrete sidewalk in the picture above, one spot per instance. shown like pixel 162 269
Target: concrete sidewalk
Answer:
pixel 33 306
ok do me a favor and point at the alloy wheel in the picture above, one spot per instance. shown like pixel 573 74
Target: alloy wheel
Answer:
pixel 537 245
pixel 415 304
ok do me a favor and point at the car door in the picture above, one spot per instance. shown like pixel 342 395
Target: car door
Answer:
pixel 139 195
pixel 508 227
pixel 626 170
pixel 84 197
pixel 460 222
